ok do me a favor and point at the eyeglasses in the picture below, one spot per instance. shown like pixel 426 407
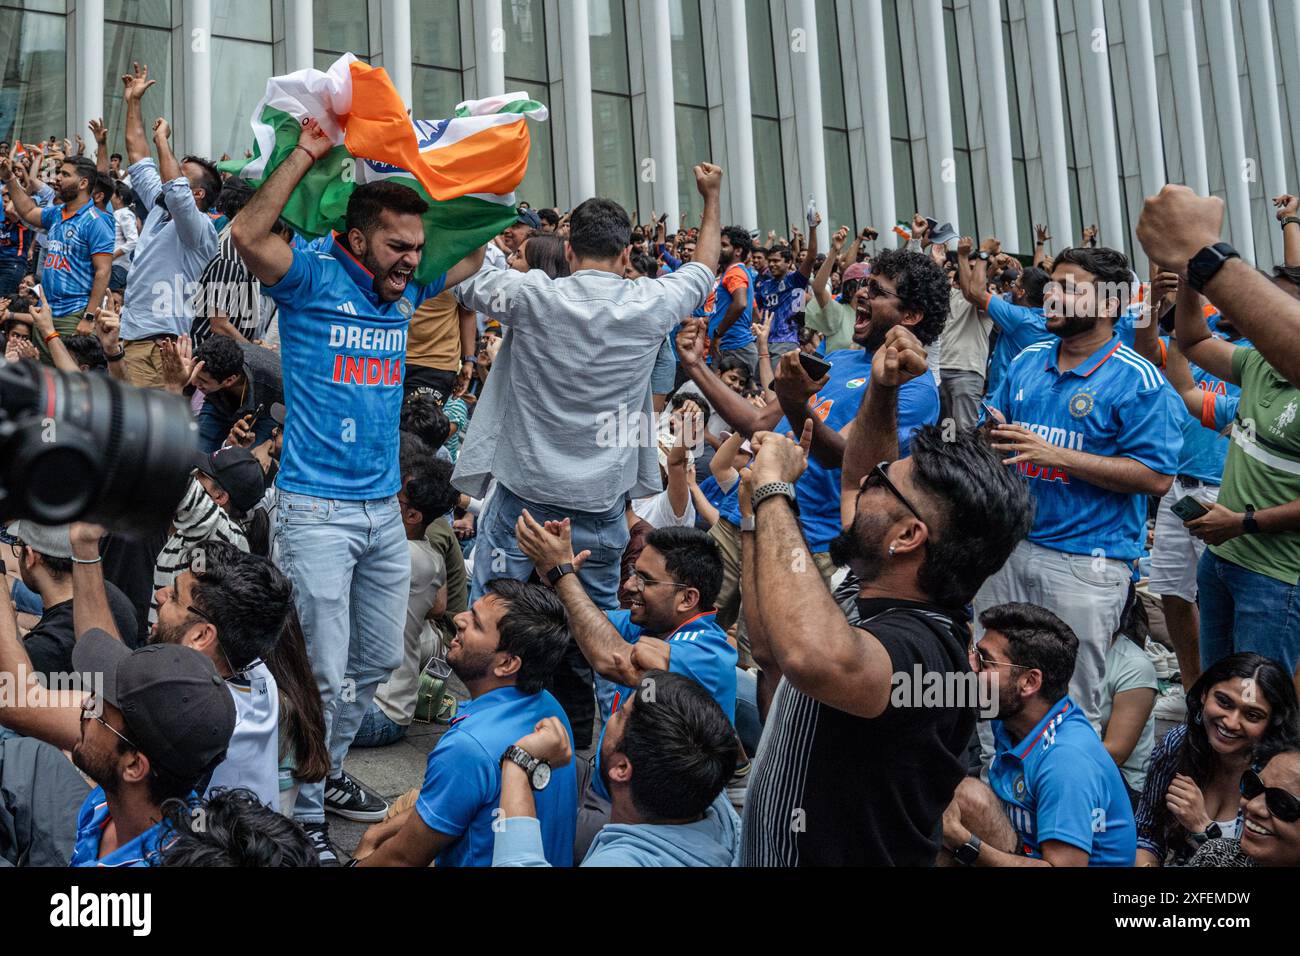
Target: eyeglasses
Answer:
pixel 91 704
pixel 647 582
pixel 879 478
pixel 875 290
pixel 1281 803
pixel 979 661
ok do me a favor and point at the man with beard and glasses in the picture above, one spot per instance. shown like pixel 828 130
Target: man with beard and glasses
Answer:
pixel 79 242
pixel 1093 429
pixel 505 648
pixel 148 726
pixel 1055 796
pixel 906 289
pixel 859 755
pixel 344 314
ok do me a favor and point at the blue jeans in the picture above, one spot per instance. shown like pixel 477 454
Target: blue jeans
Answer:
pixel 748 724
pixel 497 554
pixel 26 600
pixel 377 730
pixel 215 426
pixel 1242 610
pixel 11 273
pixel 351 573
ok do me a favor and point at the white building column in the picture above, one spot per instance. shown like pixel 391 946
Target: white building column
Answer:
pixel 196 22
pixel 395 37
pixel 580 142
pixel 1221 45
pixel 986 18
pixel 806 74
pixel 657 44
pixel 489 48
pixel 1139 47
pixel 873 79
pixel 299 35
pixel 89 66
pixel 1271 168
pixel 1183 61
pixel 738 115
pixel 1101 127
pixel 938 112
pixel 1040 21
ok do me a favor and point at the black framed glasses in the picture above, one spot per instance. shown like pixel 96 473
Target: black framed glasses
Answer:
pixel 875 290
pixel 1283 804
pixel 879 478
pixel 88 706
pixel 979 661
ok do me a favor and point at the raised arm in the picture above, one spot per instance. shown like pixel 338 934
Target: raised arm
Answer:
pixel 100 132
pixel 741 415
pixel 972 276
pixel 1288 207
pixel 24 206
pixel 1041 238
pixel 794 391
pixel 821 282
pixel 1146 332
pixel 1195 340
pixel 90 607
pixel 708 246
pixel 810 257
pixel 601 644
pixel 43 323
pixel 268 256
pixel 135 84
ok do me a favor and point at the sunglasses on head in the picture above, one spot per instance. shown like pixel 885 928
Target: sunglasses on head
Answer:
pixel 1281 803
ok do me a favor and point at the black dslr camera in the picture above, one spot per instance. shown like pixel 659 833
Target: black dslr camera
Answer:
pixel 83 446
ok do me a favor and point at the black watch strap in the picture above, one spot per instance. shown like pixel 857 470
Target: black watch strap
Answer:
pixel 1248 523
pixel 1290 219
pixel 1205 265
pixel 560 570
pixel 968 852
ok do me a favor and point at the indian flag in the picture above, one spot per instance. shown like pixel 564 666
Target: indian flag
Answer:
pixel 467 167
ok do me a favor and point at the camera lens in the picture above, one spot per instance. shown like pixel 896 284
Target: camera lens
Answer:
pixel 83 446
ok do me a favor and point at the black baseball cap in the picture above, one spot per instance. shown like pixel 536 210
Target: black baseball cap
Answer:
pixel 177 709
pixel 238 472
pixel 528 218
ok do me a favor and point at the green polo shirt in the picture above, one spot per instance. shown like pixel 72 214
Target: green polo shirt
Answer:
pixel 835 322
pixel 1263 466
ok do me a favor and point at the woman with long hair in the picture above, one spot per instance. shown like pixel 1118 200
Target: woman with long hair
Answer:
pixel 1192 792
pixel 1270 806
pixel 541 251
pixel 302 719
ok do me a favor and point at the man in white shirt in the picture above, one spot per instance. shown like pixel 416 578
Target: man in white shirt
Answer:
pixel 566 416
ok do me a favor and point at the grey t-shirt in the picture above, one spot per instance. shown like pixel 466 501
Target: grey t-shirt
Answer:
pixel 397 697
pixel 1129 668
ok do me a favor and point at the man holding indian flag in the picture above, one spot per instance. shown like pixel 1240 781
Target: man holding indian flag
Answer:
pixel 345 308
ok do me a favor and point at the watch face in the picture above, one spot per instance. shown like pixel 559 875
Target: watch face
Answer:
pixel 541 776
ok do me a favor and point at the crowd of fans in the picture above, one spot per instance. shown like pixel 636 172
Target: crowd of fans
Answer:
pixel 707 548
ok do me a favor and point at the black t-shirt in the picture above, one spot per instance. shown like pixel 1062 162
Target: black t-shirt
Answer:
pixel 49 643
pixel 832 789
pixel 128 563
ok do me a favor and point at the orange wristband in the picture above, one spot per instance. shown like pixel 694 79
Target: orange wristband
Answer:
pixel 52 335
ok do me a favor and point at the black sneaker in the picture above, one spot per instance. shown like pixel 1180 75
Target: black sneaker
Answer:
pixel 319 835
pixel 347 798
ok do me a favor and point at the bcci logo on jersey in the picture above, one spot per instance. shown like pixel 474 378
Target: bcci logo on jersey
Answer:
pixel 1081 404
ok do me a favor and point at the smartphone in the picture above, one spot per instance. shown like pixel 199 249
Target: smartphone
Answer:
pixel 992 414
pixel 257 413
pixel 814 365
pixel 37 292
pixel 1188 508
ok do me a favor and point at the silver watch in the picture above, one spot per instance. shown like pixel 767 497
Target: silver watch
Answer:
pixel 747 523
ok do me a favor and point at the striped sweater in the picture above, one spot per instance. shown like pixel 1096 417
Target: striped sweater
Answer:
pixel 198 518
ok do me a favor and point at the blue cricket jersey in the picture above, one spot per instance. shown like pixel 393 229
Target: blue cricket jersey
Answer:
pixel 727 502
pixel 1114 404
pixel 818 490
pixel 341 353
pixel 739 335
pixel 1059 783
pixel 68 272
pixel 144 850
pixel 1205 450
pixel 1019 327
pixel 783 297
pixel 462 781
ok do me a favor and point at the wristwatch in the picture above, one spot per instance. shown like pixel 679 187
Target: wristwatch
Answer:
pixel 117 356
pixel 979 255
pixel 747 523
pixel 88 317
pixel 1212 832
pixel 560 570
pixel 1248 523
pixel 968 852
pixel 771 489
pixel 471 359
pixel 1203 266
pixel 539 771
pixel 1290 219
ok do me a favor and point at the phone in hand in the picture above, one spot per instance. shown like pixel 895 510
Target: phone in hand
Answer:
pixel 1188 508
pixel 993 416
pixel 816 366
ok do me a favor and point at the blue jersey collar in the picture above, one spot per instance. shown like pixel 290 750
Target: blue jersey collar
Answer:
pixel 359 274
pixel 1089 365
pixel 1021 749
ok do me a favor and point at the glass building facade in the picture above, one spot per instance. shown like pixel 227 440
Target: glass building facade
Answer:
pixel 1061 112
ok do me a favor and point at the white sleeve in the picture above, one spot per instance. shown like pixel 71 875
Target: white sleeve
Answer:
pixel 657 511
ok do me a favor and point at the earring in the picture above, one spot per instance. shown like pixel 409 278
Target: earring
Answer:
pixel 1197 718
pixel 891 550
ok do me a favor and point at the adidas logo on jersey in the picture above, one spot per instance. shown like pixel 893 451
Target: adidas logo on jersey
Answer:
pixel 347 308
